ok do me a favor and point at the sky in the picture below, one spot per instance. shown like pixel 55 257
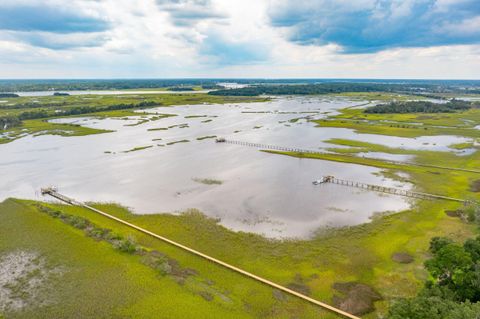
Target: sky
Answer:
pixel 425 39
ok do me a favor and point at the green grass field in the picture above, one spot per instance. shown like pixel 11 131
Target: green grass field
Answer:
pixel 407 125
pixel 99 281
pixel 402 130
pixel 465 119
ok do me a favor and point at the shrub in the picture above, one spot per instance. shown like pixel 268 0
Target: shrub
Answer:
pixel 77 222
pixel 126 245
pixel 97 232
pixel 438 243
pixel 163 267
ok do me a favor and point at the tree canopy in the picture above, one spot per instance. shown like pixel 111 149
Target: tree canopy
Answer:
pixel 453 292
pixel 420 107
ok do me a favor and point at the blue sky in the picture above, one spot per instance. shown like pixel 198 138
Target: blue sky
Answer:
pixel 248 38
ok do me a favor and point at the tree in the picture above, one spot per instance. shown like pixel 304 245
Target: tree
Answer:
pixel 450 264
pixel 436 243
pixel 454 292
pixel 433 307
pixel 472 246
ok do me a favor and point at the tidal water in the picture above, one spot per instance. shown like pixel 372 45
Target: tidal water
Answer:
pixel 263 193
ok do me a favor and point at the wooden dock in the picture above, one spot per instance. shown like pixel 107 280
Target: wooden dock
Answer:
pixel 269 146
pixel 52 191
pixel 311 151
pixel 387 190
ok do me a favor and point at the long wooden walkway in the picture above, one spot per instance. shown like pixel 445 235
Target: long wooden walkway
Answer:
pixel 310 151
pixel 270 147
pixel 54 193
pixel 387 190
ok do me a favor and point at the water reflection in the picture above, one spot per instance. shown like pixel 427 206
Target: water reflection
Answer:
pixel 263 193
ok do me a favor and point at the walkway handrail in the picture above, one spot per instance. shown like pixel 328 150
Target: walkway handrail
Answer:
pixel 390 190
pixel 299 150
pixel 52 192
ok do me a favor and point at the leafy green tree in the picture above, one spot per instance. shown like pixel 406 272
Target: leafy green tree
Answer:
pixel 472 246
pixel 454 291
pixel 433 307
pixel 450 264
pixel 436 243
pixel 420 107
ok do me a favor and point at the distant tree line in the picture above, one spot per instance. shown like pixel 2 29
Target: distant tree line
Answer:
pixel 9 121
pixel 16 120
pixel 31 105
pixel 180 88
pixel 76 85
pixel 212 87
pixel 437 86
pixel 8 95
pixel 420 107
pixel 325 88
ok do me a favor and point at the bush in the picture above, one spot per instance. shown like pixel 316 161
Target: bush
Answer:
pixel 77 222
pixel 126 245
pixel 111 237
pixel 163 267
pixel 437 243
pixel 472 213
pixel 97 232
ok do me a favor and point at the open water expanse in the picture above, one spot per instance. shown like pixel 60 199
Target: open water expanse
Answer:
pixel 263 193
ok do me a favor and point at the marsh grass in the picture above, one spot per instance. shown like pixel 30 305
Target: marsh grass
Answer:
pixel 207 181
pixel 97 104
pixel 107 273
pixel 138 148
pixel 111 282
pixel 194 116
pixel 410 231
pixel 206 137
pixel 176 142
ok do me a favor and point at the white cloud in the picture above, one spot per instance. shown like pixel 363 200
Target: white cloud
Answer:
pixel 217 38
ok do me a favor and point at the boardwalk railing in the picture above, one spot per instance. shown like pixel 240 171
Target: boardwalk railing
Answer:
pixel 270 147
pixel 310 151
pixel 52 191
pixel 387 190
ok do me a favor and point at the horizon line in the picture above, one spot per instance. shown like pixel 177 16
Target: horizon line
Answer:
pixel 239 78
